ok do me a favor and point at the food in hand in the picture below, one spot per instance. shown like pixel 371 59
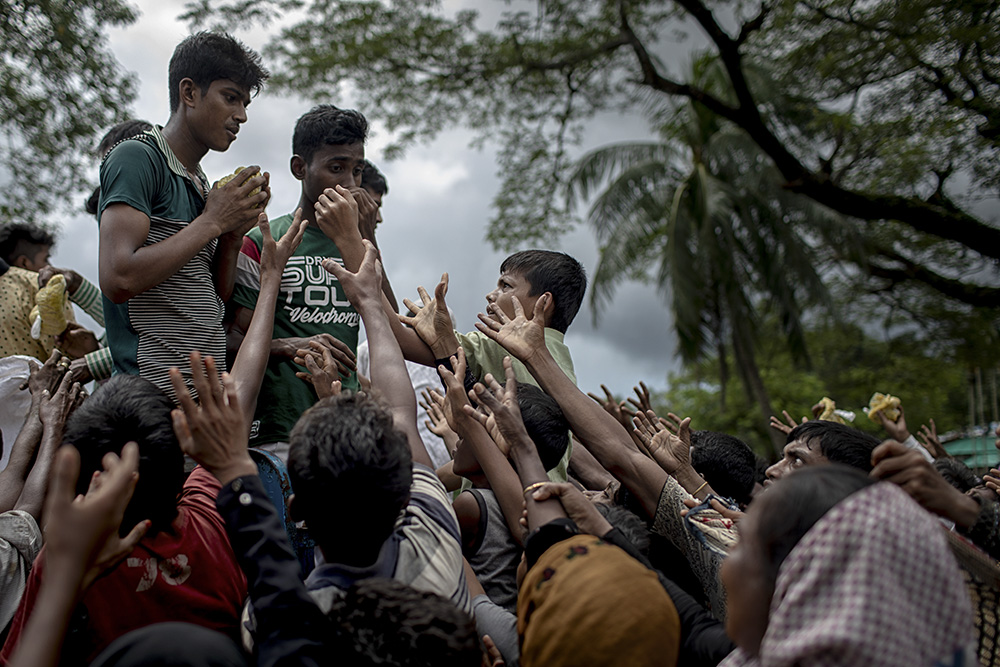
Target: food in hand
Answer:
pixel 48 317
pixel 828 411
pixel 884 403
pixel 225 179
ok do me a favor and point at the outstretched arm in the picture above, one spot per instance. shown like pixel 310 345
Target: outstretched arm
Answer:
pixel 388 370
pixel 251 360
pixel 601 433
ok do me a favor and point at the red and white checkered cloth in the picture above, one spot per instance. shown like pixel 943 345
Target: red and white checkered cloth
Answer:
pixel 872 583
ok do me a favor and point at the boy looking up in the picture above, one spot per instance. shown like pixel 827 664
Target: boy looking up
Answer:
pixel 169 244
pixel 312 312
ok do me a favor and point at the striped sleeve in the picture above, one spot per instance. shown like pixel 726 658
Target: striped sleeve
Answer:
pixel 100 363
pixel 88 297
pixel 430 552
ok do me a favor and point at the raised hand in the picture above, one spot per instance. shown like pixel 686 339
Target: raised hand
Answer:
pixel 500 403
pixel 365 286
pixel 322 370
pixel 642 401
pixel 614 407
pixel 433 404
pixel 47 376
pixel 213 432
pixel 787 425
pixel 81 535
pixel 55 409
pixel 521 337
pixel 274 254
pixel 929 439
pixel 670 444
pixel 578 508
pixel 455 400
pixel 367 212
pixel 337 213
pixel 73 279
pixel 896 430
pixel 431 320
pixel 331 353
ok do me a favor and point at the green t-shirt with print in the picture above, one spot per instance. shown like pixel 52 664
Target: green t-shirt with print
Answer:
pixel 310 302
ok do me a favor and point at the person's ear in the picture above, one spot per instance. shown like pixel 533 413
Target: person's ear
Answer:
pixel 22 262
pixel 298 167
pixel 188 93
pixel 549 308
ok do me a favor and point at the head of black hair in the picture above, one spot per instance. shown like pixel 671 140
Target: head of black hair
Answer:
pixel 794 504
pixel 385 622
pixel 205 57
pixel 629 523
pixel 838 442
pixel 545 423
pixel 327 125
pixel 128 408
pixel 726 462
pixel 554 272
pixel 374 180
pixel 760 467
pixel 351 470
pixel 17 238
pixel 957 473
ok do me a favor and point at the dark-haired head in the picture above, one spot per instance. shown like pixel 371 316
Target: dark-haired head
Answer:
pixel 205 57
pixel 838 442
pixel 628 522
pixel 327 125
pixel 385 622
pixel 25 246
pixel 126 409
pixel 351 470
pixel 957 473
pixel 726 462
pixel 554 272
pixel 374 180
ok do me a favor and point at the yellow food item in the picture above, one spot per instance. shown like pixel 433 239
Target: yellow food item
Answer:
pixel 829 411
pixel 225 179
pixel 50 306
pixel 885 403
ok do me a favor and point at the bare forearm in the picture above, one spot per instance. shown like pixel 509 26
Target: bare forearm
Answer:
pixel 12 479
pixel 388 374
pixel 227 254
pixel 42 640
pixel 502 478
pixel 255 348
pixel 125 275
pixel 531 471
pixel 33 494
pixel 600 433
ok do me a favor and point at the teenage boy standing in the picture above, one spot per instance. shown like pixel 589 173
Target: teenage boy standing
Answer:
pixel 169 243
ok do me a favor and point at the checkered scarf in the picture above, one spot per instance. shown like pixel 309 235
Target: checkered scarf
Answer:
pixel 872 583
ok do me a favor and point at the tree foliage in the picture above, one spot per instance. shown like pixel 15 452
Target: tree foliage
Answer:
pixel 850 365
pixel 60 87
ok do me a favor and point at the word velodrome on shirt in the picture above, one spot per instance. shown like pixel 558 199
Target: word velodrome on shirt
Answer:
pixel 318 290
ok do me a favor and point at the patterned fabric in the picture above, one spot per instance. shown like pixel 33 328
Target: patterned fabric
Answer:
pixel 872 583
pixel 158 329
pixel 982 579
pixel 17 297
pixel 704 556
pixel 985 533
pixel 311 302
pixel 424 551
pixel 587 602
pixel 20 542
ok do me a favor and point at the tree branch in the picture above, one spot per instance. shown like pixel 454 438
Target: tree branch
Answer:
pixel 753 25
pixel 974 295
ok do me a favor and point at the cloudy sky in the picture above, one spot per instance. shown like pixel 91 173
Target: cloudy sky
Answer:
pixel 435 215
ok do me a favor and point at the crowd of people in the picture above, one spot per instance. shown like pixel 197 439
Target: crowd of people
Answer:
pixel 244 487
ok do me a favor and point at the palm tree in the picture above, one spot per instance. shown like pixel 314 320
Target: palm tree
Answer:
pixel 703 216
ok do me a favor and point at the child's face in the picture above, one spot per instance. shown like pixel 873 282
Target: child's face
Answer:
pixel 339 164
pixel 511 285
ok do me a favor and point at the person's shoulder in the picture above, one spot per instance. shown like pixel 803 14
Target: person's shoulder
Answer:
pixel 23 277
pixel 136 148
